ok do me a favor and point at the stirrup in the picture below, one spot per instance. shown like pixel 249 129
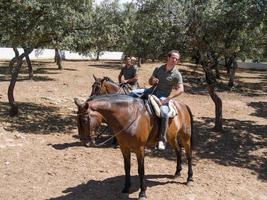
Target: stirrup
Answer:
pixel 161 145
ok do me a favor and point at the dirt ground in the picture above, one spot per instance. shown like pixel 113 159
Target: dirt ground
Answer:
pixel 41 157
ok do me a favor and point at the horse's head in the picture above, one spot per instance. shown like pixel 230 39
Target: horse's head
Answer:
pixel 104 86
pixel 88 122
pixel 96 87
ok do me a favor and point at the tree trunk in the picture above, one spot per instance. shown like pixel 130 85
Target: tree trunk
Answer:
pixel 211 80
pixel 218 108
pixel 227 64
pixel 139 61
pixel 58 59
pixel 97 56
pixel 13 60
pixel 215 65
pixel 232 71
pixel 16 52
pixel 30 70
pixel 14 75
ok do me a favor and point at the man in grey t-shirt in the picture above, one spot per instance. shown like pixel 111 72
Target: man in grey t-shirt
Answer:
pixel 167 83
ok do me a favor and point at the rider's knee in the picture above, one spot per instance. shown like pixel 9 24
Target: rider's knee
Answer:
pixel 164 111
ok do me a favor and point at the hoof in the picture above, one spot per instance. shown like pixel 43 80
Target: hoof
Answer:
pixel 189 183
pixel 142 198
pixel 177 175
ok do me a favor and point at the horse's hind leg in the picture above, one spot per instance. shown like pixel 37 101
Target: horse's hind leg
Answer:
pixel 178 152
pixel 188 151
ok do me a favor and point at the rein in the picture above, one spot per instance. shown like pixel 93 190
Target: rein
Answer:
pixel 116 134
pixel 122 87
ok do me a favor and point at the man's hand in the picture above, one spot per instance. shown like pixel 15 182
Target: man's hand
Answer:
pixel 124 81
pixel 164 101
pixel 155 81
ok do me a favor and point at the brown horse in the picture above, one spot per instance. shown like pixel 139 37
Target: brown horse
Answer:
pixel 134 129
pixel 107 86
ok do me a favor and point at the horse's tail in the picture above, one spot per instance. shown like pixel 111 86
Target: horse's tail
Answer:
pixel 192 128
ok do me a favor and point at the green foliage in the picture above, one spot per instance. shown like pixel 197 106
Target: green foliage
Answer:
pixel 159 28
pixel 104 30
pixel 227 27
pixel 40 23
pixel 147 28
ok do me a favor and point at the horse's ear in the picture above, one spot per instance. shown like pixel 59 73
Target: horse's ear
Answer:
pixel 78 102
pixel 94 77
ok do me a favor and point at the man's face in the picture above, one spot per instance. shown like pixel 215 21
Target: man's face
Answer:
pixel 128 61
pixel 173 59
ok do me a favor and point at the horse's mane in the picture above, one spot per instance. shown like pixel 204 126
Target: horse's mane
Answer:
pixel 111 97
pixel 105 78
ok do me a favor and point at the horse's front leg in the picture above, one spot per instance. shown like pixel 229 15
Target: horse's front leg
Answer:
pixel 141 172
pixel 127 168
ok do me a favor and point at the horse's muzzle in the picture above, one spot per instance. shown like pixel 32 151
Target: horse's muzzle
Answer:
pixel 87 142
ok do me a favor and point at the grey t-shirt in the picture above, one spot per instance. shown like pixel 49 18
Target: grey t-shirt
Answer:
pixel 167 80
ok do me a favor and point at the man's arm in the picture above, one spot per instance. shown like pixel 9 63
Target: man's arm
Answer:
pixel 153 80
pixel 178 89
pixel 120 76
pixel 132 80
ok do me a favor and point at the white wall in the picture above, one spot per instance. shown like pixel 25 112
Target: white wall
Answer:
pixel 245 65
pixel 8 53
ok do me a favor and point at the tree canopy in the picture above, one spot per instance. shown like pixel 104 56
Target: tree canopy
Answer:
pixel 209 30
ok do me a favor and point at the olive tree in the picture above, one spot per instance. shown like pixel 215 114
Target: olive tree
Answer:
pixel 37 24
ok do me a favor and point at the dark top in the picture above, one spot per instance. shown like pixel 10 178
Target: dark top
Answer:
pixel 129 73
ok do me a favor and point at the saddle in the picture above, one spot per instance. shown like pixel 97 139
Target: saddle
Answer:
pixel 155 104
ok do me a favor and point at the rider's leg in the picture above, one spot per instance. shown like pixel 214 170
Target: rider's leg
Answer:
pixel 164 110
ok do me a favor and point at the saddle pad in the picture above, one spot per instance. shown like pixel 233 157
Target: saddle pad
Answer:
pixel 155 102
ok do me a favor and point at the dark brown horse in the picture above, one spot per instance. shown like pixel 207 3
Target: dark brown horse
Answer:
pixel 107 86
pixel 134 129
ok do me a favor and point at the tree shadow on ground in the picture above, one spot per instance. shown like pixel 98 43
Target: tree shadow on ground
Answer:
pixel 241 144
pixel 39 70
pixel 250 82
pixel 107 65
pixel 104 139
pixel 254 85
pixel 37 119
pixel 195 81
pixel 112 188
pixel 260 109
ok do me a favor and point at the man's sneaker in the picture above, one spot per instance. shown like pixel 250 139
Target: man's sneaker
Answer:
pixel 161 145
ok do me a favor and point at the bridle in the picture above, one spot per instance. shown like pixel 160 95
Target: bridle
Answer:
pixel 96 85
pixel 87 113
pixel 100 83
